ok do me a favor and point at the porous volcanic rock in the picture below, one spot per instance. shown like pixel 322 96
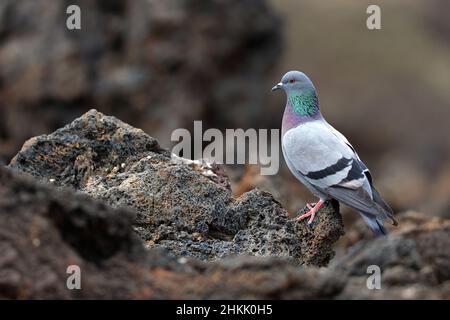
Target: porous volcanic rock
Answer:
pixel 44 230
pixel 181 205
pixel 142 224
pixel 414 261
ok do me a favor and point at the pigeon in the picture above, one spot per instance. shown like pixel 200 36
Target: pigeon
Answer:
pixel 322 159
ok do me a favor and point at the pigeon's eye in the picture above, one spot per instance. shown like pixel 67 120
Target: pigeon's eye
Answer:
pixel 291 80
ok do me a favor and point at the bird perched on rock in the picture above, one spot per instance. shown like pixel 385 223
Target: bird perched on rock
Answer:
pixel 322 158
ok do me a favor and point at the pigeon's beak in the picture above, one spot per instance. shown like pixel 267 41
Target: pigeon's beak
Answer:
pixel 277 86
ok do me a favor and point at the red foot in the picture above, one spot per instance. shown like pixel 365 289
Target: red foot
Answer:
pixel 313 209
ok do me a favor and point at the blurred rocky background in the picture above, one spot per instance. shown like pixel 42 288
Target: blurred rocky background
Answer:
pixel 155 64
pixel 160 65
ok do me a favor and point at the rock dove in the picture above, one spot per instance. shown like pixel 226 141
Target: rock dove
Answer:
pixel 322 158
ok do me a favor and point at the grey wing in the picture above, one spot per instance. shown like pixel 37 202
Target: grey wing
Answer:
pixel 375 194
pixel 356 191
pixel 332 166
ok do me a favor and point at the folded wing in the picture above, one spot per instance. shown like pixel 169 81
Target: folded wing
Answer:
pixel 325 159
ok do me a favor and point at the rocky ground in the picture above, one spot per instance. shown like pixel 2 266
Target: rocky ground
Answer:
pixel 103 195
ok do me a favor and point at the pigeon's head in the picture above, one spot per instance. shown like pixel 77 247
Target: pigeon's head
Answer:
pixel 294 81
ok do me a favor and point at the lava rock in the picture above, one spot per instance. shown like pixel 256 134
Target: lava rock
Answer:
pixel 164 227
pixel 44 230
pixel 414 261
pixel 181 205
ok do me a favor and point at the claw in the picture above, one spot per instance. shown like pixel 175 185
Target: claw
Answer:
pixel 312 217
pixel 313 209
pixel 303 216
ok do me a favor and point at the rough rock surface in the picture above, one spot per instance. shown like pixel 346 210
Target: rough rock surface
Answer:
pixel 185 213
pixel 414 260
pixel 44 230
pixel 181 205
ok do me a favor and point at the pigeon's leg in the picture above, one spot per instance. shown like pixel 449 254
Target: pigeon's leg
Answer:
pixel 312 211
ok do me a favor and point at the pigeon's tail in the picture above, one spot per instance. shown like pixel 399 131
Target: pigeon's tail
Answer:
pixel 374 224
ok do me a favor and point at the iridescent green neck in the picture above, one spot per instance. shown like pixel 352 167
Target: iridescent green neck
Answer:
pixel 304 104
